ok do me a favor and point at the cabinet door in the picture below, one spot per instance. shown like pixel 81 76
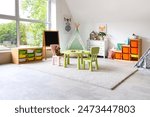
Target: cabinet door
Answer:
pixel 100 44
pixel 101 53
pixel 93 42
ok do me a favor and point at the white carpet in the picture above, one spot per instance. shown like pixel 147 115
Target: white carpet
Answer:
pixel 110 74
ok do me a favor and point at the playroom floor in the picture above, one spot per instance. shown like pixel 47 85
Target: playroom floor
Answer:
pixel 18 85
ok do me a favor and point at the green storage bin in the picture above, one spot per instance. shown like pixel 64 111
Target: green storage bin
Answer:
pixel 30 55
pixel 22 51
pixel 38 50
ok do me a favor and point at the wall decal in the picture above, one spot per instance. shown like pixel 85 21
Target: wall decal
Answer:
pixel 67 24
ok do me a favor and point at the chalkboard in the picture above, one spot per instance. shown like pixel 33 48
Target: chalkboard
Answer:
pixel 51 37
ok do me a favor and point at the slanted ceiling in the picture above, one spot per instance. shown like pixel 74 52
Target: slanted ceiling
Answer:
pixel 109 10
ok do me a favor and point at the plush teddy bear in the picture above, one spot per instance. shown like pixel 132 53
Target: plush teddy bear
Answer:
pixel 57 51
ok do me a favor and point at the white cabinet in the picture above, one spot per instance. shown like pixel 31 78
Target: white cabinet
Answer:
pixel 102 44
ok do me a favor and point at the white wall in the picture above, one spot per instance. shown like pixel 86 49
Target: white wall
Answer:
pixel 109 10
pixel 120 31
pixel 61 12
pixel 123 18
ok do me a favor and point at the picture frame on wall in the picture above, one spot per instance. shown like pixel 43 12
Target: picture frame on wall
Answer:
pixel 103 28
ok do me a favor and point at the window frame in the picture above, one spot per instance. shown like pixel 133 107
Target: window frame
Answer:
pixel 18 19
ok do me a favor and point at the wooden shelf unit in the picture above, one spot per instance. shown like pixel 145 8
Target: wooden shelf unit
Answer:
pixel 130 52
pixel 125 52
pixel 24 55
pixel 135 49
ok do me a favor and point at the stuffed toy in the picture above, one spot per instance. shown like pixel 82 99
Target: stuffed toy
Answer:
pixel 57 51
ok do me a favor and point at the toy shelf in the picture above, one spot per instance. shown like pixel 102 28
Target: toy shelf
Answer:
pixel 24 55
pixel 131 51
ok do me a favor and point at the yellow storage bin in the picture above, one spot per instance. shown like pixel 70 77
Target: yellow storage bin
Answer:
pixel 134 56
pixel 38 58
pixel 30 59
pixel 22 55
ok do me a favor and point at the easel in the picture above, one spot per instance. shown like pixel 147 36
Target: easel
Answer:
pixel 49 37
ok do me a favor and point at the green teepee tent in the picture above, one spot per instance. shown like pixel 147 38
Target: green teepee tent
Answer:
pixel 76 42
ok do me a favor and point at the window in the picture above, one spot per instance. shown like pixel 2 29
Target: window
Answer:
pixel 33 16
pixel 23 22
pixel 7 10
pixel 8 37
pixel 33 9
pixel 31 33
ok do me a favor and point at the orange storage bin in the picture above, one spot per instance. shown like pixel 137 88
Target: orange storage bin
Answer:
pixel 134 43
pixel 134 50
pixel 125 49
pixel 118 55
pixel 126 56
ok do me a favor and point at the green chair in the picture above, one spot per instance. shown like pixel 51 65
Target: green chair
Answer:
pixel 92 58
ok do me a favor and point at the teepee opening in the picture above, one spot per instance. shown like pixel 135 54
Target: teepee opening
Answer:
pixel 76 42
pixel 144 61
